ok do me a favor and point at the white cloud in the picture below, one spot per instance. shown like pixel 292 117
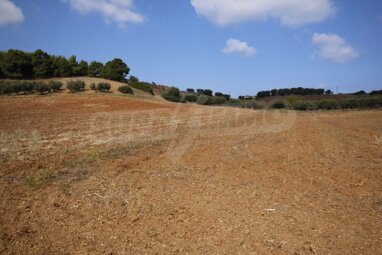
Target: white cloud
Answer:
pixel 10 13
pixel 334 48
pixel 292 13
pixel 239 47
pixel 119 11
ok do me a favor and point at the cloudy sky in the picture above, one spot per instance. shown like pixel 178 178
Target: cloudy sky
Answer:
pixel 233 46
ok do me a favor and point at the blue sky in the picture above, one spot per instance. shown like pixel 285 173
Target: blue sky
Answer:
pixel 232 46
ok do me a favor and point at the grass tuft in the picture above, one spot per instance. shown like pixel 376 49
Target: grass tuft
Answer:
pixel 39 178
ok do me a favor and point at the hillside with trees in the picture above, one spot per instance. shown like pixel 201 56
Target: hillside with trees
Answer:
pixel 17 64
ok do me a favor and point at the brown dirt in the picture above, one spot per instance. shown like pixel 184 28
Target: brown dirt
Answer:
pixel 107 174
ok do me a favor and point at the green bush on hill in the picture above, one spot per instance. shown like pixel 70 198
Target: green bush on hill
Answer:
pixel 93 86
pixel 233 102
pixel 25 87
pixel 145 86
pixel 126 90
pixel 190 98
pixel 302 105
pixel 370 102
pixel 328 104
pixel 250 104
pixel 5 88
pixel 278 105
pixel 75 86
pixel 173 95
pixel 331 104
pixel 218 100
pixel 41 88
pixel 103 87
pixel 55 85
pixel 202 99
pixel 349 103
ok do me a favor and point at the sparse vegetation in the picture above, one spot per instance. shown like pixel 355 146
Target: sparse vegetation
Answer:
pixel 37 179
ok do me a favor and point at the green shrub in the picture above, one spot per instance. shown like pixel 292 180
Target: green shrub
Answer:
pixel 103 86
pixel 293 98
pixel 29 87
pixel 41 88
pixel 133 79
pixel 250 104
pixel 227 97
pixel 173 95
pixel 304 105
pixel 190 98
pixel 39 178
pixel 370 102
pixel 202 99
pixel 145 86
pixel 126 90
pixel 348 103
pixel 216 101
pixel 233 102
pixel 328 104
pixel 6 87
pixel 93 86
pixel 55 85
pixel 208 92
pixel 278 105
pixel 75 86
pixel 331 104
pixel 17 86
pixel 200 92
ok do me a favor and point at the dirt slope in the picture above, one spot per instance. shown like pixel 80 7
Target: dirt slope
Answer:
pixel 103 174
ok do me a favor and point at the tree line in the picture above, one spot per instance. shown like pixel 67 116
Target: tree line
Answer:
pixel 293 91
pixel 17 64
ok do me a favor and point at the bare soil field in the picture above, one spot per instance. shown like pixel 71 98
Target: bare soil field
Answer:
pixel 106 174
